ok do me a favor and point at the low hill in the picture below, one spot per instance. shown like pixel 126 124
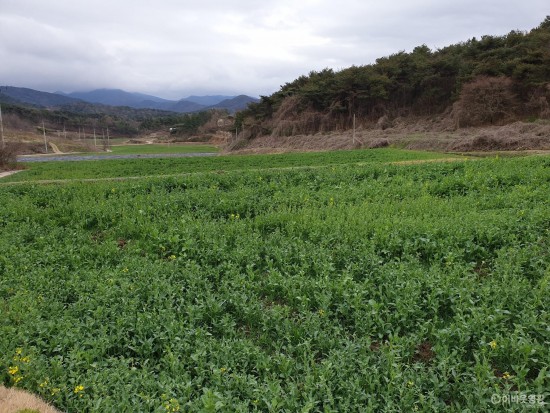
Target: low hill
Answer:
pixel 491 81
pixel 35 97
pixel 209 100
pixel 235 104
pixel 182 106
pixel 118 97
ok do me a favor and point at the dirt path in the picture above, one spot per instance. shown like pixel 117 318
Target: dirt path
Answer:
pixel 55 148
pixel 8 173
pixel 415 161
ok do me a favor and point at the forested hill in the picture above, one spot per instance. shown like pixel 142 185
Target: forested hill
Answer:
pixel 491 80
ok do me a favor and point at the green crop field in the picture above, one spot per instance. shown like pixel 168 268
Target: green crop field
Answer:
pixel 160 148
pixel 334 282
pixel 118 168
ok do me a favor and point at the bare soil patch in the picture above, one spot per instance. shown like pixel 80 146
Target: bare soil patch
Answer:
pixel 54 148
pixel 424 353
pixel 29 143
pixel 13 400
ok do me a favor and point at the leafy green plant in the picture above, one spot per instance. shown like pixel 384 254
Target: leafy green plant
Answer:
pixel 344 284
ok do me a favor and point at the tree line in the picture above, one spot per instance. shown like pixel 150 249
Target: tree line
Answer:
pixel 510 75
pixel 122 121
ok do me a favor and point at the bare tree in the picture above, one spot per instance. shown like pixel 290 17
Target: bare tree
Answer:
pixel 8 155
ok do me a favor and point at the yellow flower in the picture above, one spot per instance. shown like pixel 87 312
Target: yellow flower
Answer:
pixel 78 389
pixel 506 375
pixel 26 359
pixel 13 370
pixel 125 270
pixel 44 383
pixel 18 350
pixel 321 312
pixel 493 344
pixel 55 390
pixel 172 405
pixel 410 383
pixel 223 370
pixel 172 257
pixel 17 379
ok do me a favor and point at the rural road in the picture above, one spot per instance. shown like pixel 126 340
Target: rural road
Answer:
pixel 49 158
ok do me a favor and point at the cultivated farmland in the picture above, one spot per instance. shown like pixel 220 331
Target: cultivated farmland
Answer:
pixel 312 283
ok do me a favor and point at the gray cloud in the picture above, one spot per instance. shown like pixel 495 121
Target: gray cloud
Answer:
pixel 174 48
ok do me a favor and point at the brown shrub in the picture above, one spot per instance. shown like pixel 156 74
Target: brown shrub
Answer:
pixel 485 100
pixel 378 143
pixel 8 155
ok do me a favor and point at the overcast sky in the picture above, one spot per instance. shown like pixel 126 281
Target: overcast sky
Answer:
pixel 173 48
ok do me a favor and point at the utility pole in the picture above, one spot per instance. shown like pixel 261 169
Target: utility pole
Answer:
pixel 353 129
pixel 44 133
pixel 2 129
pixel 108 138
pixel 95 140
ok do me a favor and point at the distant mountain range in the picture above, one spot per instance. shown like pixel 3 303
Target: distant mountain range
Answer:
pixel 117 97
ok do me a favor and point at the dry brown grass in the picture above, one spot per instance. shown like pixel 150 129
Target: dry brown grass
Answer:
pixel 8 155
pixel 14 400
pixel 435 133
pixel 30 142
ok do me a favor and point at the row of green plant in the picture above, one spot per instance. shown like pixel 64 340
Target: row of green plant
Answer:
pixel 174 166
pixel 160 149
pixel 348 287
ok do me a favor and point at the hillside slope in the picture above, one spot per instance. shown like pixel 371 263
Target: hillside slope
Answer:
pixel 35 97
pixel 117 97
pixel 484 82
